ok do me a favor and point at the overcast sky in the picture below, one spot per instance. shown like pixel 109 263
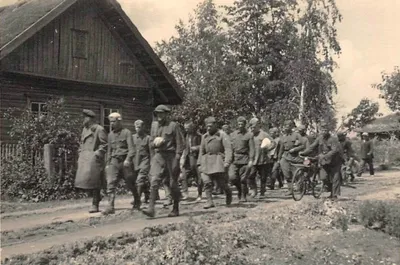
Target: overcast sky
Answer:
pixel 368 35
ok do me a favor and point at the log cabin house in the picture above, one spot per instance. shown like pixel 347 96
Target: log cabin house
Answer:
pixel 87 51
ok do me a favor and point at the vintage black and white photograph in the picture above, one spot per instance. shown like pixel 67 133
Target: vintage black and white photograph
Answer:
pixel 200 132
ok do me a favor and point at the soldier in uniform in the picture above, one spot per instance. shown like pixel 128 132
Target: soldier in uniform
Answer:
pixel 367 155
pixel 215 158
pixel 243 157
pixel 291 145
pixel 168 148
pixel 329 158
pixel 93 147
pixel 273 154
pixel 120 155
pixel 141 161
pixel 348 154
pixel 262 162
pixel 189 160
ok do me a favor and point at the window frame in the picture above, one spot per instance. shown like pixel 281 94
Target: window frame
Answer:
pixel 40 104
pixel 104 115
pixel 76 52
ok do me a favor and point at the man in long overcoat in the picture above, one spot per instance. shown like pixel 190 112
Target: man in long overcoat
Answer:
pixel 93 146
pixel 214 160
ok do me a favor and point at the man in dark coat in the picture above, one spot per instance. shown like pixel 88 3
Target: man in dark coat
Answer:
pixel 273 154
pixel 348 154
pixel 330 159
pixel 168 147
pixel 141 161
pixel 214 160
pixel 243 158
pixel 262 162
pixel 93 147
pixel 120 155
pixel 189 160
pixel 291 145
pixel 367 155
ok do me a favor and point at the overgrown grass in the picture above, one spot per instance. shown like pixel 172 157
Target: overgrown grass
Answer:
pixel 382 149
pixel 381 215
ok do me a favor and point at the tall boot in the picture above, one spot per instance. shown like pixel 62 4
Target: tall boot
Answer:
pixel 228 193
pixel 150 211
pixel 210 203
pixel 110 207
pixel 146 192
pixel 244 192
pixel 136 197
pixel 95 202
pixel 175 209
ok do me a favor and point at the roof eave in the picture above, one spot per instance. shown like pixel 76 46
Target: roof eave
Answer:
pixel 35 27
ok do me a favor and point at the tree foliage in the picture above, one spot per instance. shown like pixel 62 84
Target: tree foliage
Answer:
pixel 364 113
pixel 24 176
pixel 254 59
pixel 390 89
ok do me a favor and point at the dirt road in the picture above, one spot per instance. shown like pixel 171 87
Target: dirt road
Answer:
pixel 30 231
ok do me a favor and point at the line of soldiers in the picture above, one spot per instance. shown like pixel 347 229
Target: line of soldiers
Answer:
pixel 215 160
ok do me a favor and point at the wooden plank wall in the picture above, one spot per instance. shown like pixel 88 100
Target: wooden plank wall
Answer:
pixel 49 52
pixel 17 93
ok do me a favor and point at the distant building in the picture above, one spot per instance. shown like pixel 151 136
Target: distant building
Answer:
pixel 383 127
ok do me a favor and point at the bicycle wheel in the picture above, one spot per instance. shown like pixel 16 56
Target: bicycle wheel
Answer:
pixel 298 184
pixel 317 186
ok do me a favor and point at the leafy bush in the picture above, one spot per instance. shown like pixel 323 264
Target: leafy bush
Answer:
pixel 381 215
pixel 24 175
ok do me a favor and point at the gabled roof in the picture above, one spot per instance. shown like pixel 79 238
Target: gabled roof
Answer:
pixel 389 123
pixel 22 20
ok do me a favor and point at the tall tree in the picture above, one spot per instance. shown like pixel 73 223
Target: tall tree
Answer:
pixel 364 113
pixel 200 59
pixel 285 45
pixel 390 89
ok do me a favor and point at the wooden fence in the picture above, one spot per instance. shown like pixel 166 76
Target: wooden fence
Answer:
pixel 55 159
pixel 10 151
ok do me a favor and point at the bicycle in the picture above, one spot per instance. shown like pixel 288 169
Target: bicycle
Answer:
pixel 306 178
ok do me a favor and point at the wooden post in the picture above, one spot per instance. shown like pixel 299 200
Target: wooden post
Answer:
pixel 48 155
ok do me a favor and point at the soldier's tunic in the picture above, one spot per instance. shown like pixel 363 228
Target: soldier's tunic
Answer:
pixel 276 171
pixel 141 161
pixel 262 162
pixel 215 153
pixel 164 163
pixel 91 158
pixel 330 159
pixel 189 161
pixel 243 152
pixel 289 142
pixel 367 157
pixel 120 149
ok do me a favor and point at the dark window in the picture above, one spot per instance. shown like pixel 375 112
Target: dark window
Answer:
pixel 79 44
pixel 106 122
pixel 38 108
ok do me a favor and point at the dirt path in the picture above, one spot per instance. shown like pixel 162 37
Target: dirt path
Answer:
pixel 385 186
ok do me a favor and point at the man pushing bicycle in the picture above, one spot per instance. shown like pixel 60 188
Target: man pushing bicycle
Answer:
pixel 330 159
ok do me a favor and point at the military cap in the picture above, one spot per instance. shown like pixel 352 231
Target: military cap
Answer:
pixel 254 121
pixel 162 108
pixel 210 120
pixel 89 113
pixel 364 134
pixel 115 116
pixel 138 122
pixel 241 119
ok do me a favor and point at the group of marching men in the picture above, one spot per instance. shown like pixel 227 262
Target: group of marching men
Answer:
pixel 216 160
